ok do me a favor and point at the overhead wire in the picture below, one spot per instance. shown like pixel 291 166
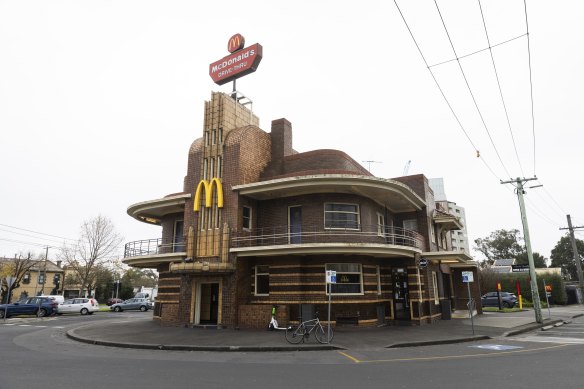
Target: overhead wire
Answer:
pixel 443 94
pixel 470 90
pixel 530 83
pixel 35 232
pixel 30 236
pixel 500 89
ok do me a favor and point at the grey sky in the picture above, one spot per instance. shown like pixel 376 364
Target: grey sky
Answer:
pixel 100 101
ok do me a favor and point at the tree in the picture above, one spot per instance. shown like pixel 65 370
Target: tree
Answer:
pixel 17 268
pixel 141 277
pixel 501 244
pixel 97 243
pixel 538 260
pixel 563 256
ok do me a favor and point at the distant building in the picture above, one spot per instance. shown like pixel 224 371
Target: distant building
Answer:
pixel 43 278
pixel 458 238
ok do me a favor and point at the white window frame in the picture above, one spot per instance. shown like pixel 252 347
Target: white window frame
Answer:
pixel 358 213
pixel 435 287
pixel 332 266
pixel 256 274
pixel 380 224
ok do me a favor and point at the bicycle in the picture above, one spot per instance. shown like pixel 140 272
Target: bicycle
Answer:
pixel 297 334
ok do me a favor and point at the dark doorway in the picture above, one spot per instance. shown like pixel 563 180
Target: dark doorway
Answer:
pixel 401 303
pixel 295 224
pixel 209 303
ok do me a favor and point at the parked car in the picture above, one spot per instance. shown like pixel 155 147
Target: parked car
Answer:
pixel 135 303
pixel 57 297
pixel 40 306
pixel 508 300
pixel 112 301
pixel 84 306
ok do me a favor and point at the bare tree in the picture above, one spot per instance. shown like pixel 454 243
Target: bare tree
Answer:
pixel 98 242
pixel 17 268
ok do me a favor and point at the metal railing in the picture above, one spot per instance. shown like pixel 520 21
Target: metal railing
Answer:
pixel 284 235
pixel 152 247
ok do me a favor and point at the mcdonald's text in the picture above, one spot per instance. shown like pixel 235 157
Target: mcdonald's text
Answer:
pixel 236 65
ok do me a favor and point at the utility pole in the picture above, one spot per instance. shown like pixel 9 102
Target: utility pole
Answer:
pixel 45 271
pixel 575 252
pixel 534 292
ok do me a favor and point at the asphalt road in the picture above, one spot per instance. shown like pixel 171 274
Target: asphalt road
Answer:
pixel 37 354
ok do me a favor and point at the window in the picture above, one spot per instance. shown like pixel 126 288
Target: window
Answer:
pixel 246 218
pixel 349 278
pixel 178 237
pixel 221 135
pixel 214 137
pixel 41 278
pixel 206 138
pixel 262 280
pixel 411 224
pixel 211 168
pixel 205 175
pixel 341 216
pixel 380 224
pixel 435 286
pixel 26 278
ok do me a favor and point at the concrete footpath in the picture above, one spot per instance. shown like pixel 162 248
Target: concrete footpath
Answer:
pixel 149 334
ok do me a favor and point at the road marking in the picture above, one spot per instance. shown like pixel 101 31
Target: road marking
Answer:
pixel 496 347
pixel 551 339
pixel 449 356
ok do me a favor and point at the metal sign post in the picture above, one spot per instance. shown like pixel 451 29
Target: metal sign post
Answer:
pixel 9 282
pixel 547 295
pixel 467 277
pixel 331 278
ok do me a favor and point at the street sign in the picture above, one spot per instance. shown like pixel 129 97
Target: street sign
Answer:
pixel 467 276
pixel 10 281
pixel 519 268
pixel 423 262
pixel 331 276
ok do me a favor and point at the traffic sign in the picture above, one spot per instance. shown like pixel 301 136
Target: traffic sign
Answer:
pixel 467 276
pixel 331 276
pixel 423 262
pixel 10 281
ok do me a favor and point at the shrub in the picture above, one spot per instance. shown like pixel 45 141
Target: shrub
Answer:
pixel 489 279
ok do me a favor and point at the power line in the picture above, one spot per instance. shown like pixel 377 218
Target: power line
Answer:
pixel 30 236
pixel 500 89
pixel 28 243
pixel 530 83
pixel 35 232
pixel 442 92
pixel 470 90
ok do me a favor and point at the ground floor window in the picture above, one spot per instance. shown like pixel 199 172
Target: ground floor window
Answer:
pixel 262 280
pixel 349 278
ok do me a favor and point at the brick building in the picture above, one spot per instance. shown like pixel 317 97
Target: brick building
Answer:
pixel 257 224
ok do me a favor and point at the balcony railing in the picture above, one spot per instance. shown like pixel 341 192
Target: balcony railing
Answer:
pixel 152 247
pixel 284 235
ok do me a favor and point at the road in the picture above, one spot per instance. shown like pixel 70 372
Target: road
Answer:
pixel 37 354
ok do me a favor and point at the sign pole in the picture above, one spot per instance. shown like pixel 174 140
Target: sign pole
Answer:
pixel 328 337
pixel 547 300
pixel 468 277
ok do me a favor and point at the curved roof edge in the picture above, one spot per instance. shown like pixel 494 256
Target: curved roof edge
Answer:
pixel 152 211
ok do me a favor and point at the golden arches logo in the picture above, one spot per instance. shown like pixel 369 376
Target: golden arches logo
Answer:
pixel 207 186
pixel 236 42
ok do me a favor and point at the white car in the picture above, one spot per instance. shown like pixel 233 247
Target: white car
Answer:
pixel 84 306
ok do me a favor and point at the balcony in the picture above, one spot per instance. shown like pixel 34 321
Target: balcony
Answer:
pixel 149 253
pixel 372 240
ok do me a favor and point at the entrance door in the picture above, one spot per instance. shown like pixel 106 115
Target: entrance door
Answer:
pixel 295 224
pixel 209 307
pixel 401 303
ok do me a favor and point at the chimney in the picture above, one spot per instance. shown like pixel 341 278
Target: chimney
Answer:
pixel 59 263
pixel 281 138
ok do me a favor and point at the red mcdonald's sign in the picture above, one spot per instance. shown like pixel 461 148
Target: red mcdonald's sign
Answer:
pixel 240 62
pixel 236 42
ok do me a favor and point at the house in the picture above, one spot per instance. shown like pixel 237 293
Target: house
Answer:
pixel 41 278
pixel 258 224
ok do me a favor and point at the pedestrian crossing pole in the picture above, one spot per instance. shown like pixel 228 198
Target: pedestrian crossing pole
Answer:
pixel 518 182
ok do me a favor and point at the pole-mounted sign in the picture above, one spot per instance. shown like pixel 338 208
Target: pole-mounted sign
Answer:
pixel 241 61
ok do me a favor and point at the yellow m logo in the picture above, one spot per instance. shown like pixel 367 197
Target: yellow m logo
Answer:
pixel 208 188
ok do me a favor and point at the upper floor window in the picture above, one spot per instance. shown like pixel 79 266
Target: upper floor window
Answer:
pixel 206 138
pixel 411 224
pixel 246 218
pixel 26 278
pixel 380 224
pixel 341 216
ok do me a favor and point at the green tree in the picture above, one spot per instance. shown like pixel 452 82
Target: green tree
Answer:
pixel 538 260
pixel 140 277
pixel 501 244
pixel 562 256
pixel 17 268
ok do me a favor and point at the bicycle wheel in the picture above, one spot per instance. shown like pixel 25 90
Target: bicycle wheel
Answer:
pixel 295 335
pixel 322 334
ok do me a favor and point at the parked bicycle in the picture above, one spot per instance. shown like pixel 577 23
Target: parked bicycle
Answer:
pixel 297 334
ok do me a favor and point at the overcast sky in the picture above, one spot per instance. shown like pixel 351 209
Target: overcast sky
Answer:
pixel 100 101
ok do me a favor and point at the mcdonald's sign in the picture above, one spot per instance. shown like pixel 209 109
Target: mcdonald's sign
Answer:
pixel 236 42
pixel 240 62
pixel 207 186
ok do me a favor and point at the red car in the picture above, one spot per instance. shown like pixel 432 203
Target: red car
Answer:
pixel 112 301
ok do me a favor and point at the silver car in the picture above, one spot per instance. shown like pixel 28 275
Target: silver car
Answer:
pixel 135 303
pixel 84 306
